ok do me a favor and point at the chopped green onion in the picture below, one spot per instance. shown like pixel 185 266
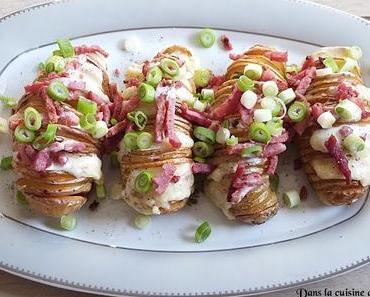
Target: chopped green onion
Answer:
pixel 88 122
pixel 274 182
pixel 201 77
pixel 297 112
pixel 207 95
pixel 225 124
pixel 41 66
pixel 139 118
pixel 46 138
pixel 222 135
pixel 57 53
pixel 143 182
pixel 199 105
pixel 330 63
pixel 232 141
pixel 21 198
pixel 355 52
pixel 326 120
pixel 271 104
pixel 287 96
pixel 113 121
pixel 54 64
pixel 57 91
pixel 251 151
pixel 244 83
pixel 114 160
pixel 203 232
pixel 270 88
pixel 6 163
pixel 253 71
pixel 100 129
pixel 68 222
pixel 101 192
pixel 130 140
pixel 275 127
pixel 291 198
pixel 86 106
pixel 9 102
pixel 206 38
pixel 169 67
pixel 205 134
pixel 145 140
pixel 141 221
pixel 259 132
pixel 24 135
pixel 349 65
pixel 249 99
pixel 4 126
pixel 348 110
pixel 200 160
pixel 202 149
pixel 146 93
pixel 262 115
pixel 66 48
pixel 32 119
pixel 154 76
pixel 354 143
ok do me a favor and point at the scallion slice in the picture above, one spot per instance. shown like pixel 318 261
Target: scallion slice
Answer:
pixel 66 48
pixel 259 132
pixel 8 101
pixel 146 93
pixel 101 191
pixel 244 83
pixel 68 222
pixel 86 106
pixel 207 95
pixel 206 38
pixel 201 77
pixel 251 151
pixel 32 119
pixel 205 134
pixel 200 160
pixel 54 64
pixel 143 182
pixel 46 138
pixel 203 232
pixel 6 163
pixel 145 140
pixel 297 112
pixel 274 182
pixel 130 140
pixel 113 121
pixel 24 135
pixel 262 115
pixel 232 141
pixel 154 76
pixel 248 99
pixel 275 126
pixel 88 122
pixel 330 63
pixel 354 143
pixel 291 198
pixel 21 198
pixel 270 88
pixel 169 67
pixel 253 71
pixel 287 96
pixel 271 104
pixel 202 149
pixel 142 221
pixel 222 135
pixel 348 110
pixel 326 120
pixel 199 105
pixel 100 129
pixel 139 118
pixel 57 91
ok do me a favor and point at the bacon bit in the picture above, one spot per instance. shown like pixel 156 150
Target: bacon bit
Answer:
pixel 202 168
pixel 302 80
pixel 104 109
pixel 170 123
pixel 83 49
pixel 99 116
pixel 14 122
pixel 195 117
pixel 59 159
pixel 360 103
pixel 273 165
pixel 215 126
pixel 226 43
pixel 303 193
pixel 235 57
pixel 117 72
pixel 162 181
pixel 42 161
pixel 298 164
pixel 160 118
pixel 229 106
pixel 280 139
pixel 251 179
pixel 277 56
pixel 116 129
pixel 68 118
pixel 132 82
pixel 236 149
pixel 77 86
pixel 215 81
pixel 146 67
pixel 70 146
pixel 273 149
pixel 73 65
pixel 308 63
pixel 340 158
pixel 267 75
pixel 245 114
pixel 282 85
pixel 316 110
pixel 26 153
pixel 344 131
pixel 36 87
pixel 345 92
pixel 175 179
pixel 94 97
pixel 50 107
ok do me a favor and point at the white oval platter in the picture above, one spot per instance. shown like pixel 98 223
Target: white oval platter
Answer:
pixel 106 254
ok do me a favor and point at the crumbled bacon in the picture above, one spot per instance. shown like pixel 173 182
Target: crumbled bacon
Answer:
pixel 229 106
pixel 128 106
pixel 77 86
pixel 215 81
pixel 273 149
pixel 70 146
pixel 235 56
pixel 226 43
pixel 202 168
pixel 281 138
pixel 302 80
pixel 83 49
pixel 104 109
pixel 50 107
pixel 282 85
pixel 365 113
pixel 251 179
pixel 36 87
pixel 99 116
pixel 345 91
pixel 303 193
pixel 245 115
pixel 67 118
pixel 162 181
pixel 132 82
pixel 94 97
pixel 42 161
pixel 170 123
pixel 344 131
pixel 160 117
pixel 300 127
pixel 316 110
pixel 273 165
pixel 267 75
pixel 277 56
pixel 340 158
pixel 117 129
pixel 194 116
pixel 236 149
pixel 145 68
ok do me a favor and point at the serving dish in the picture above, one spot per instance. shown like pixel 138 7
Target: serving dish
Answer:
pixel 295 247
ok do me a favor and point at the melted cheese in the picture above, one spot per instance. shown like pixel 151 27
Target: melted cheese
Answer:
pixel 80 166
pixel 359 163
